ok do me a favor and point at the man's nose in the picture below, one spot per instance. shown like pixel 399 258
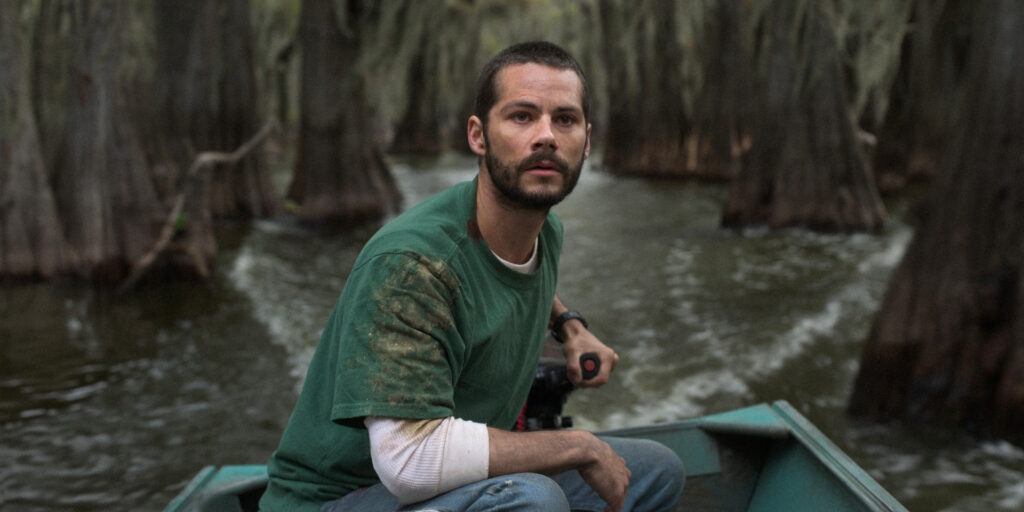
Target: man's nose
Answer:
pixel 544 138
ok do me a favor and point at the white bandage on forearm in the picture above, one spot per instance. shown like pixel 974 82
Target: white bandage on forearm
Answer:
pixel 419 459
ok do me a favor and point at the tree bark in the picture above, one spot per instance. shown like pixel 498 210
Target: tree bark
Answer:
pixel 413 45
pixel 805 167
pixel 106 196
pixel 948 343
pixel 917 127
pixel 207 99
pixel 32 243
pixel 464 62
pixel 722 132
pixel 422 59
pixel 647 121
pixel 340 176
pixel 51 78
pixel 421 130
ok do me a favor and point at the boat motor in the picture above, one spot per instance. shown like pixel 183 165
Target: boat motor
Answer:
pixel 551 388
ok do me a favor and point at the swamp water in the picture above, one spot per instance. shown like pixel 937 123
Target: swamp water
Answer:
pixel 110 403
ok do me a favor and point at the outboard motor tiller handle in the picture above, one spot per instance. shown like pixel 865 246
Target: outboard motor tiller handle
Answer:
pixel 590 365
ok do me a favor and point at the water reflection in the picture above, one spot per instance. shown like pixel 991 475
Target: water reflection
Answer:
pixel 113 404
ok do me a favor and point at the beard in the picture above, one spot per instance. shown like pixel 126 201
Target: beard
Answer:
pixel 505 176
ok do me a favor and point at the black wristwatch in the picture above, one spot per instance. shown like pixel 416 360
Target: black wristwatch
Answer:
pixel 556 327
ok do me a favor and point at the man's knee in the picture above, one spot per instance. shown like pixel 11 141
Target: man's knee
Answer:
pixel 529 491
pixel 672 470
pixel 666 476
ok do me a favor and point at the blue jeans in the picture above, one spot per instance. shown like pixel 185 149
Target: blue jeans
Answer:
pixel 655 486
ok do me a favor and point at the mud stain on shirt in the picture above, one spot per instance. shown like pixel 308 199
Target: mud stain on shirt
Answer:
pixel 414 311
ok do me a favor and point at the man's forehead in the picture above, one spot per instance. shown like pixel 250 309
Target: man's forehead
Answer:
pixel 537 78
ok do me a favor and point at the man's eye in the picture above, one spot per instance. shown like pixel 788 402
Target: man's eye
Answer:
pixel 566 120
pixel 520 117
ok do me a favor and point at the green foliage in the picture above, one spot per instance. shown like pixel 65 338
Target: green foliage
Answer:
pixel 181 222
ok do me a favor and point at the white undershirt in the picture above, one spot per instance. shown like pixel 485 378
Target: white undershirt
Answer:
pixel 523 268
pixel 419 459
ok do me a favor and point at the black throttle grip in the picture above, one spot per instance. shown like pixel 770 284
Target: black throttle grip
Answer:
pixel 590 365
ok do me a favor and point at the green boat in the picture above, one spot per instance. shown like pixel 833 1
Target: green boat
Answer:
pixel 759 458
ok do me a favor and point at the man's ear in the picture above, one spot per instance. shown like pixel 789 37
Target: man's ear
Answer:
pixel 586 149
pixel 476 136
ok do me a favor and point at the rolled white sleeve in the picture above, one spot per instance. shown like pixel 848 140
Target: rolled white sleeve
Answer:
pixel 419 459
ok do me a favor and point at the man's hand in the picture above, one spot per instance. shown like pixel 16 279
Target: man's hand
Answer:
pixel 608 476
pixel 550 452
pixel 579 341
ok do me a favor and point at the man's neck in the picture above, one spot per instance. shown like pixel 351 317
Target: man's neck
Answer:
pixel 509 232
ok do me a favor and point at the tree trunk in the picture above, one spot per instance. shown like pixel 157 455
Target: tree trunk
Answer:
pixel 647 122
pixel 917 127
pixel 340 175
pixel 724 101
pixel 51 78
pixel 948 343
pixel 464 64
pixel 31 240
pixel 107 200
pixel 207 100
pixel 805 166
pixel 422 59
pixel 422 129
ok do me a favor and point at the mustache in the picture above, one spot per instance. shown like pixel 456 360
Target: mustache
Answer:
pixel 559 163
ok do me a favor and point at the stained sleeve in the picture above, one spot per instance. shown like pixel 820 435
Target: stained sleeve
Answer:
pixel 400 348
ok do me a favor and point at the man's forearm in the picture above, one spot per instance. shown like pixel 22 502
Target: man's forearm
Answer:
pixel 547 452
pixel 557 308
pixel 554 451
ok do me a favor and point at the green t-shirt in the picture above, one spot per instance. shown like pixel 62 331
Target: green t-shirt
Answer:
pixel 430 324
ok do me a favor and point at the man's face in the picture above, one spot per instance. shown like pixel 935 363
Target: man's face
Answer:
pixel 536 137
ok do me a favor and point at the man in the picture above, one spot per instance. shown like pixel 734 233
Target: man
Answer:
pixel 431 350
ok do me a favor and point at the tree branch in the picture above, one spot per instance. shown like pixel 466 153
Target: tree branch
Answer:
pixel 202 161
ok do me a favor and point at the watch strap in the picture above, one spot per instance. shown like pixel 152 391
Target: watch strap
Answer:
pixel 556 327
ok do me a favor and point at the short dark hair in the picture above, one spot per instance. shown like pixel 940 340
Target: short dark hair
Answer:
pixel 536 52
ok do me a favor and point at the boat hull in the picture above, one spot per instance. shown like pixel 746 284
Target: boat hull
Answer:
pixel 759 458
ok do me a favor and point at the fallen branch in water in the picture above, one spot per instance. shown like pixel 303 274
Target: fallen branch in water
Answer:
pixel 202 161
